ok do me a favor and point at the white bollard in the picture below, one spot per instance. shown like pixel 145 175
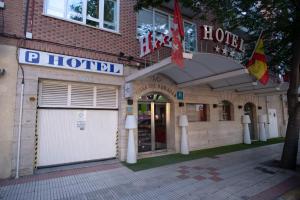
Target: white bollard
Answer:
pixel 183 123
pixel 267 130
pixel 246 121
pixel 262 119
pixel 131 124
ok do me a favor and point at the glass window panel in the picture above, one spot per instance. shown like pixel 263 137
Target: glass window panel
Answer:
pixel 93 9
pixel 161 25
pixel 55 8
pixel 74 10
pixel 197 112
pixel 144 23
pixel 92 23
pixel 189 37
pixel 226 111
pixel 110 12
pixel 144 127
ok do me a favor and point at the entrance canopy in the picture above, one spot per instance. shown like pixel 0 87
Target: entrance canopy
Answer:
pixel 216 71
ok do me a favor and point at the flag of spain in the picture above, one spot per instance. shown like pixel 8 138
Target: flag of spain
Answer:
pixel 257 65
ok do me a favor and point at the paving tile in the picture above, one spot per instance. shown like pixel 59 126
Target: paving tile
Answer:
pixel 214 173
pixel 198 168
pixel 215 178
pixel 183 176
pixel 212 168
pixel 199 178
pixel 182 171
pixel 184 167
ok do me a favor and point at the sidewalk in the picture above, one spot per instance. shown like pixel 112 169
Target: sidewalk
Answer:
pixel 239 175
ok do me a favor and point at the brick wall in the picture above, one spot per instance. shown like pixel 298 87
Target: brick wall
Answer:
pixel 13 16
pixel 48 32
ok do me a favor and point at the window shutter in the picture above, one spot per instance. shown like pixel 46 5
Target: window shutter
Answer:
pixel 82 95
pixel 53 94
pixel 106 97
pixel 64 94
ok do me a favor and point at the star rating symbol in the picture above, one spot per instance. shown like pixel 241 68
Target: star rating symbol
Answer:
pixel 217 48
pixel 224 51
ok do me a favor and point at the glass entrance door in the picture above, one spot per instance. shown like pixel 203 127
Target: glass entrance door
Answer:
pixel 160 126
pixel 152 123
pixel 144 127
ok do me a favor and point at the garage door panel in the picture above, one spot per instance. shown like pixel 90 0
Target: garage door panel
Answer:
pixel 66 136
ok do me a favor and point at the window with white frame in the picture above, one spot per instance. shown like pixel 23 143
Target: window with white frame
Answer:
pixel 97 13
pixel 160 24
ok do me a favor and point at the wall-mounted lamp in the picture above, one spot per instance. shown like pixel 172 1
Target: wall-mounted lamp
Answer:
pixel 215 105
pixel 125 58
pixel 129 102
pixel 32 99
pixel 130 58
pixel 2 72
pixel 121 54
pixel 240 107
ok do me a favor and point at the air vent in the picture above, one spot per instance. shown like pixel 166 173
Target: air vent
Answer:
pixel 82 95
pixel 54 94
pixel 63 94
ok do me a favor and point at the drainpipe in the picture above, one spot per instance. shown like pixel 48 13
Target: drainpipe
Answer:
pixel 26 18
pixel 20 122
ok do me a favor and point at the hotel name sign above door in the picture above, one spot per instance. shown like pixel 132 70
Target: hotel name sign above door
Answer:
pixel 223 37
pixel 226 38
pixel 40 58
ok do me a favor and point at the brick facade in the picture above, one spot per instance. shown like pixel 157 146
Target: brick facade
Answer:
pixel 60 36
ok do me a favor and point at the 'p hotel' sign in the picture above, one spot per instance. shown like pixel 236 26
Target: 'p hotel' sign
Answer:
pixel 32 57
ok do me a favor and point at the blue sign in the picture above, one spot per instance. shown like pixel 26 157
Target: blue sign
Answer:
pixel 32 57
pixel 179 95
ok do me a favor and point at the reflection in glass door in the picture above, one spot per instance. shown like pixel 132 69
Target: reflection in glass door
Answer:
pixel 152 123
pixel 144 127
pixel 160 126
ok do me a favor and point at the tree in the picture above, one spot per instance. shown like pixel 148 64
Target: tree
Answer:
pixel 280 21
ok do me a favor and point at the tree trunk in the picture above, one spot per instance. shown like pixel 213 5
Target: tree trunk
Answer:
pixel 290 150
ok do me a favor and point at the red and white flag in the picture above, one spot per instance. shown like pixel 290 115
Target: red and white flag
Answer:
pixel 178 34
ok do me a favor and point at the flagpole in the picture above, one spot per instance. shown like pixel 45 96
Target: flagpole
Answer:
pixel 256 43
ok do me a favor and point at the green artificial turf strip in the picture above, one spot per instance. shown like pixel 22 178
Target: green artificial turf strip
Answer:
pixel 147 163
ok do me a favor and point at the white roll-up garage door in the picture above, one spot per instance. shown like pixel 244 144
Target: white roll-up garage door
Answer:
pixel 76 122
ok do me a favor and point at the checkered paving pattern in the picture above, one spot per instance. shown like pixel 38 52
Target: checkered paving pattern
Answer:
pixel 58 174
pixel 235 176
pixel 199 173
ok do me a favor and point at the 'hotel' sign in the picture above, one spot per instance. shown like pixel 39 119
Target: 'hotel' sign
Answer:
pixel 32 57
pixel 148 44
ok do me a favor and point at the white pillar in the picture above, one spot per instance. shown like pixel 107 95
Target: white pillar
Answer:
pixel 246 121
pixel 267 130
pixel 183 123
pixel 262 119
pixel 131 124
